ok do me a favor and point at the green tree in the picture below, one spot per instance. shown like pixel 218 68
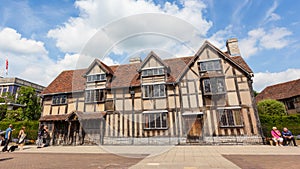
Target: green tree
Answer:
pixel 3 108
pixel 28 97
pixel 271 107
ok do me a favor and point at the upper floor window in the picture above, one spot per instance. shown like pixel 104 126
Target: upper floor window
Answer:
pixel 214 86
pixel 230 118
pixel 210 65
pixel 153 72
pixel 96 77
pixel 97 95
pixel 290 104
pixel 154 91
pixel 59 99
pixel 155 120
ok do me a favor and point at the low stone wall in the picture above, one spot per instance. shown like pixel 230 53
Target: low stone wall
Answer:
pixel 234 140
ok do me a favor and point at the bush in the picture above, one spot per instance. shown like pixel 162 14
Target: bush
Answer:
pixel 31 128
pixel 291 122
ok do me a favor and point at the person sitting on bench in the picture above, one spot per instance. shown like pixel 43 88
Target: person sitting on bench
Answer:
pixel 287 136
pixel 276 136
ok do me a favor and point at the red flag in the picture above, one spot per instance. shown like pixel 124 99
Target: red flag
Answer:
pixel 6 66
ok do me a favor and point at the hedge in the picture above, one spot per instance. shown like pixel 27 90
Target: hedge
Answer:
pixel 31 128
pixel 292 122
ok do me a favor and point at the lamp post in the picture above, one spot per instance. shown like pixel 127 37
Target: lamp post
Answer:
pixel 132 115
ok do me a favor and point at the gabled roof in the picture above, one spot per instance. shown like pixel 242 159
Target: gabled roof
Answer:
pixel 127 75
pixel 235 60
pixel 280 91
pixel 103 66
pixel 154 55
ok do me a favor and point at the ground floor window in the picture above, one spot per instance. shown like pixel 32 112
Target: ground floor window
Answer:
pixel 155 120
pixel 230 117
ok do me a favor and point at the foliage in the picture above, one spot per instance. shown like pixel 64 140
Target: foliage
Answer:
pixel 271 107
pixel 291 122
pixel 28 96
pixel 31 128
pixel 255 93
pixel 3 108
pixel 14 115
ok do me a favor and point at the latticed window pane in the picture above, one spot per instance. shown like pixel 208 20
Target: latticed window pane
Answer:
pixel 207 87
pixel 155 120
pixel 238 117
pixel 211 65
pixel 230 118
pixel 156 91
pixel 223 118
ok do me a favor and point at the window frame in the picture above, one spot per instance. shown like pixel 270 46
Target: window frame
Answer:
pixel 94 95
pixel 210 65
pixel 232 117
pixel 157 71
pixel 154 91
pixel 59 99
pixel 96 77
pixel 155 120
pixel 211 85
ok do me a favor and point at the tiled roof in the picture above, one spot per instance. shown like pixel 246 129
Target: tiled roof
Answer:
pixel 125 75
pixel 241 62
pixel 62 117
pixel 67 81
pixel 280 91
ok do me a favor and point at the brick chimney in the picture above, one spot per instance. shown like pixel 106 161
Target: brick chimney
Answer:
pixel 233 47
pixel 135 60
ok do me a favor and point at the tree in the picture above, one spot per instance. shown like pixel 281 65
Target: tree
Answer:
pixel 3 108
pixel 271 107
pixel 28 97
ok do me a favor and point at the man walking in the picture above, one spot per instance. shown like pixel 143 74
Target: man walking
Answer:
pixel 8 134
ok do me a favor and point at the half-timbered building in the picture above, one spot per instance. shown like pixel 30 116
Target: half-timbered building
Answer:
pixel 206 98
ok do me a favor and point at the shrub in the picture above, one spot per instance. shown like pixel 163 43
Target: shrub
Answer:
pixel 31 128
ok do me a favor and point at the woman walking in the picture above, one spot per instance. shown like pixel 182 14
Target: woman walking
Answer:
pixel 21 137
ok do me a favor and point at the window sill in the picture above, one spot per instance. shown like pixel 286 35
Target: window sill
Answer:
pixel 95 102
pixel 149 98
pixel 165 128
pixel 238 126
pixel 219 93
pixel 62 104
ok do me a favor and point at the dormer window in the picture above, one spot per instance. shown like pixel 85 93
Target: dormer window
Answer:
pixel 153 71
pixel 96 77
pixel 210 65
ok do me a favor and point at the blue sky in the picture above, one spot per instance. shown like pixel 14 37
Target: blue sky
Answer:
pixel 42 38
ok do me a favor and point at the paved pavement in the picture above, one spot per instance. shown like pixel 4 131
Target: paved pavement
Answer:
pixel 184 157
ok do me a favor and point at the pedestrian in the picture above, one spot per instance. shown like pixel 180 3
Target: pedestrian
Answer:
pixel 288 136
pixel 40 137
pixel 21 137
pixel 7 138
pixel 46 136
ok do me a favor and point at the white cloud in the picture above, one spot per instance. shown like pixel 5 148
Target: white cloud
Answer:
pixel 263 79
pixel 73 35
pixel 12 41
pixel 270 15
pixel 28 58
pixel 260 39
pixel 276 38
pixel 219 38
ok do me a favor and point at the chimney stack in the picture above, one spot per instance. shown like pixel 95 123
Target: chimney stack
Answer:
pixel 135 60
pixel 233 47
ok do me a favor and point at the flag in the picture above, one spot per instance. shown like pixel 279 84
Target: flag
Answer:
pixel 6 66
